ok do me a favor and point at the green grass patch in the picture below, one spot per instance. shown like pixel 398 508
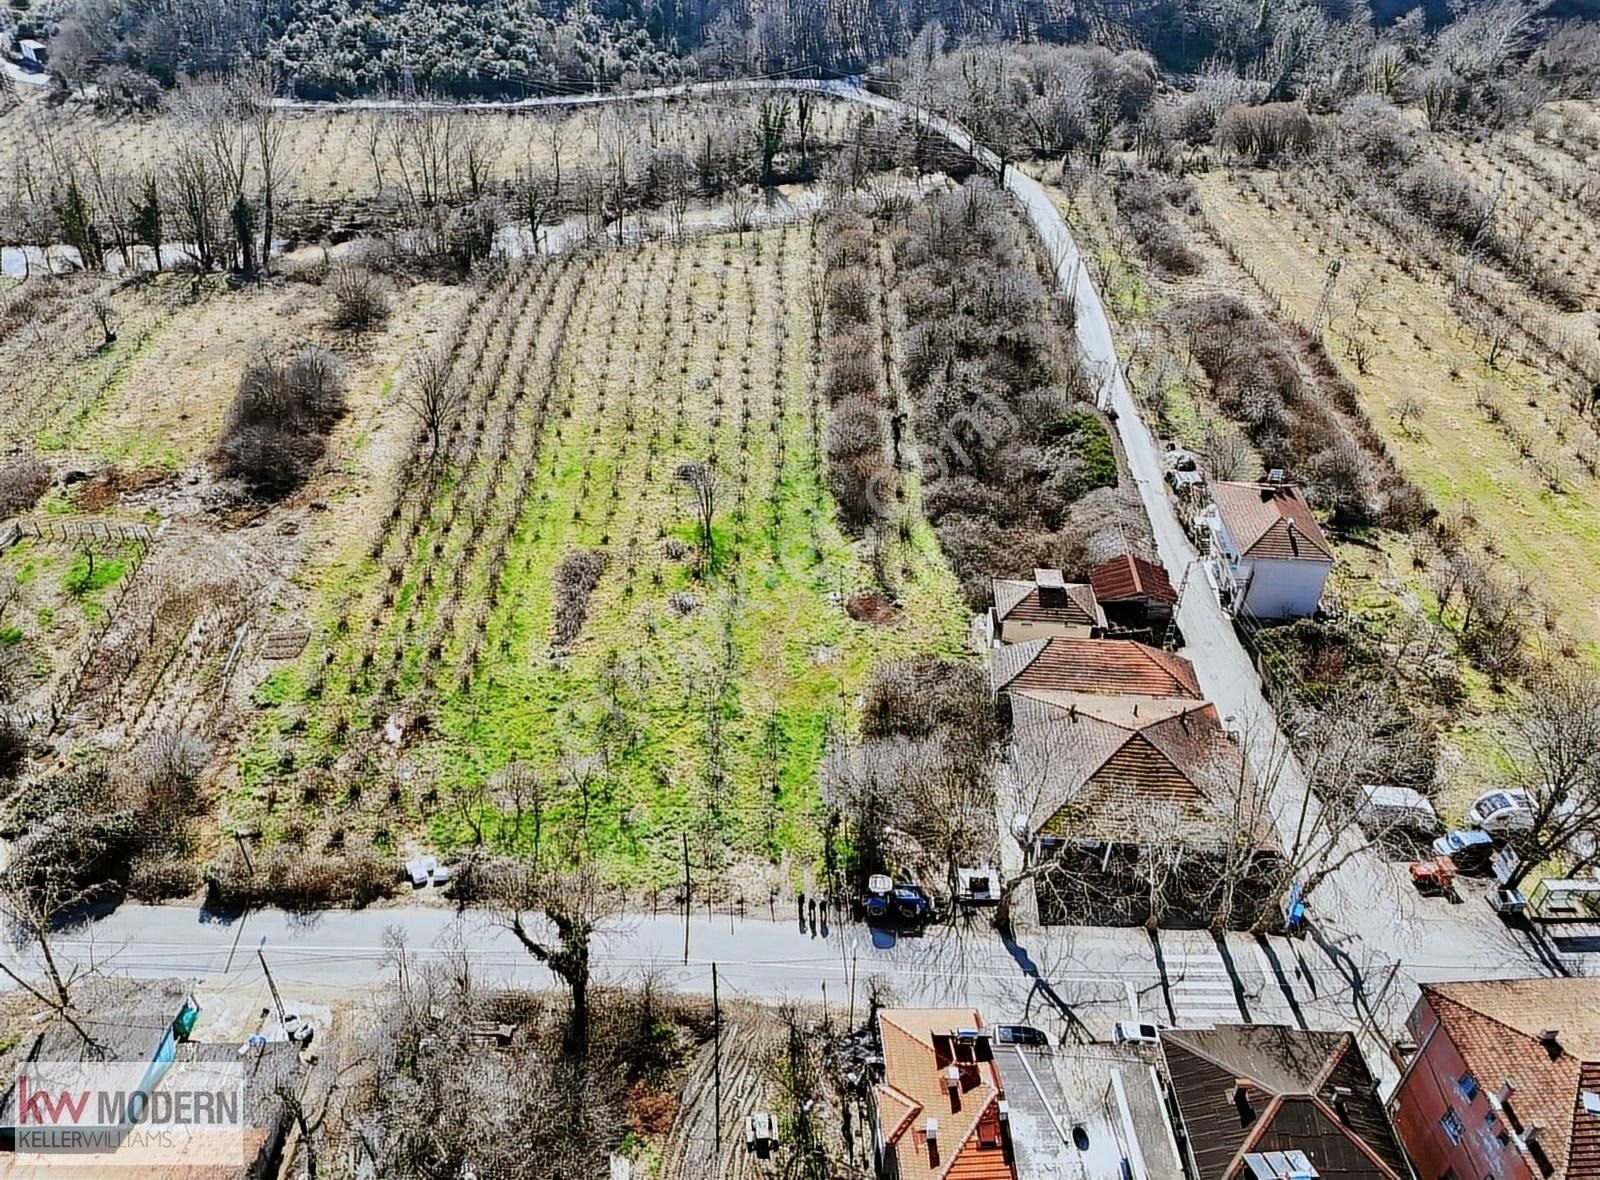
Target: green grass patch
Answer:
pixel 89 574
pixel 1085 435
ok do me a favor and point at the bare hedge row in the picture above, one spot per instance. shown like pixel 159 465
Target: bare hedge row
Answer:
pixel 1290 421
pixel 861 475
pixel 1012 478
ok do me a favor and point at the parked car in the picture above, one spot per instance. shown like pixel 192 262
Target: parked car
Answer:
pixel 1385 808
pixel 1507 810
pixel 902 902
pixel 1135 1032
pixel 1021 1034
pixel 1470 849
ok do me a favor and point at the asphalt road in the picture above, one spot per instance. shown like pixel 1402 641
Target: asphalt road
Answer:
pixel 1101 975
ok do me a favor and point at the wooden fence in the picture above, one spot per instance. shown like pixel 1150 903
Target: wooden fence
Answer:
pixel 76 532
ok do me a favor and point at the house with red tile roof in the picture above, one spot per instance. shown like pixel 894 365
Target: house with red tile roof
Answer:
pixel 1107 667
pixel 1044 605
pixel 939 1110
pixel 1268 555
pixel 1505 1081
pixel 1133 592
pixel 1097 782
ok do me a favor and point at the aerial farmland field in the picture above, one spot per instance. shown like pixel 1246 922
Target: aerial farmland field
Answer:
pixel 664 690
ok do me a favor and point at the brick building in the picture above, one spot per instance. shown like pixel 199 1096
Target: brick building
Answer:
pixel 1505 1084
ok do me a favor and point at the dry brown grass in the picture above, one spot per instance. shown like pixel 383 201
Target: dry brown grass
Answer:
pixel 1488 436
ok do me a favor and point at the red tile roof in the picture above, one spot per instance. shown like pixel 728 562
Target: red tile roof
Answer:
pixel 917 1052
pixel 1114 667
pixel 1095 766
pixel 1270 520
pixel 1127 577
pixel 1495 1026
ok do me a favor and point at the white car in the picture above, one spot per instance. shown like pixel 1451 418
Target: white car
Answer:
pixel 1135 1032
pixel 1506 810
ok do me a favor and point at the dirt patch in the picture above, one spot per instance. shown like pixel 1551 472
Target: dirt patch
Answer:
pixel 872 607
pixel 105 488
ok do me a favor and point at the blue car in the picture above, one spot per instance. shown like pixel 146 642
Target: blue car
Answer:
pixel 902 902
pixel 1468 848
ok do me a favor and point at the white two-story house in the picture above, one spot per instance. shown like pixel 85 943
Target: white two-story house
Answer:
pixel 1268 556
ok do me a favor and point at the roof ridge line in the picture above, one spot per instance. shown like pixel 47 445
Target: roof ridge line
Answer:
pixel 1222 1065
pixel 1480 1013
pixel 1349 1133
pixel 1257 1130
pixel 944 1169
pixel 1333 1061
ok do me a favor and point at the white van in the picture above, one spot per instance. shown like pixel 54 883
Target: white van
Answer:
pixel 1388 809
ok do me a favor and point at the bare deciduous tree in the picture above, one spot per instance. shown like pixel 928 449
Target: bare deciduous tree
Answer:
pixel 555 915
pixel 434 396
pixel 702 484
pixel 1555 745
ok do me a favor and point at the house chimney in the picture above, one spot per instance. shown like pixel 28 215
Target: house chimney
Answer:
pixel 932 1133
pixel 1241 1100
pixel 1341 1102
pixel 1550 1037
pixel 952 1083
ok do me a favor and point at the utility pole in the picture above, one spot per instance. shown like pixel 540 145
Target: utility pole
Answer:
pixel 686 894
pixel 716 1059
pixel 851 1026
pixel 272 985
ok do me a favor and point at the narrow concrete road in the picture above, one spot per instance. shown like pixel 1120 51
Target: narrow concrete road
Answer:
pixel 1100 975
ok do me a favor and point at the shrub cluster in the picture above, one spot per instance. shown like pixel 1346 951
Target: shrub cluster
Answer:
pixel 1143 199
pixel 575 580
pixel 94 832
pixel 277 426
pixel 360 299
pixel 22 481
pixel 300 879
pixel 1008 443
pixel 1258 383
pixel 1268 133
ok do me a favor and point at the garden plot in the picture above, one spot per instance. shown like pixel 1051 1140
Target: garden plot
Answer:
pixel 543 625
pixel 156 396
pixel 59 366
pixel 56 599
pixel 1540 210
